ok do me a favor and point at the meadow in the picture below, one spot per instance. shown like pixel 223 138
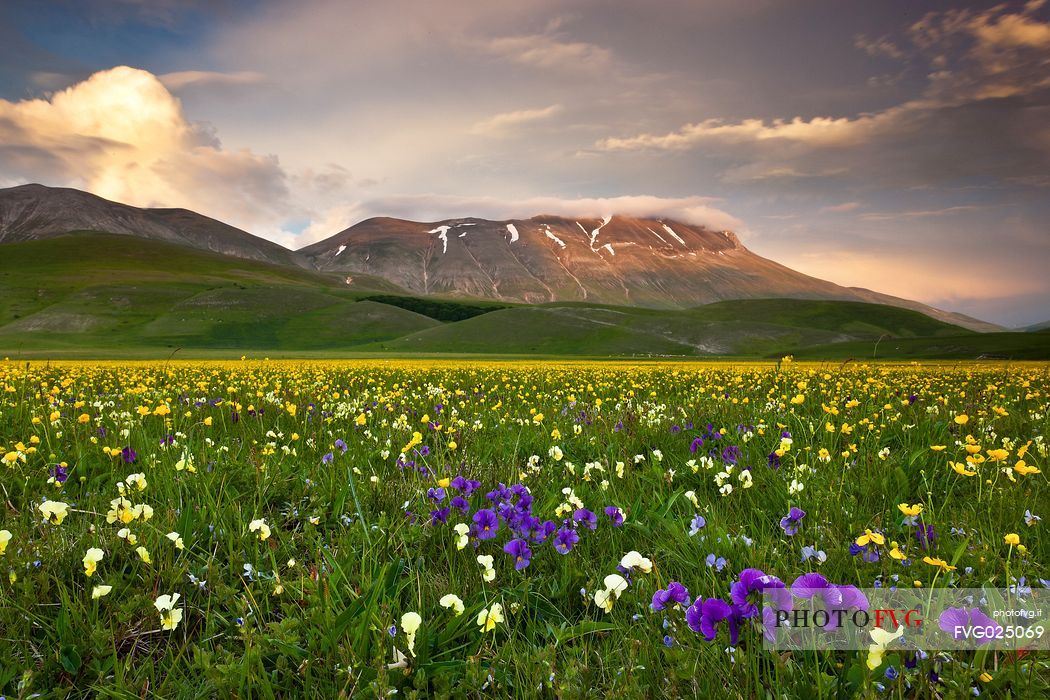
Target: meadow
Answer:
pixel 427 528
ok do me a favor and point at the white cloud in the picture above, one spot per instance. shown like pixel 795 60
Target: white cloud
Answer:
pixel 122 135
pixel 186 78
pixel 507 121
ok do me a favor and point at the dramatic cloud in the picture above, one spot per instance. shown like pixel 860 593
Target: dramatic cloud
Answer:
pixel 121 135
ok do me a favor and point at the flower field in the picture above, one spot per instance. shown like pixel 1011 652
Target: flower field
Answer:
pixel 446 528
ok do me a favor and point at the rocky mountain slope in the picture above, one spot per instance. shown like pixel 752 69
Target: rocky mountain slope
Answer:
pixel 620 260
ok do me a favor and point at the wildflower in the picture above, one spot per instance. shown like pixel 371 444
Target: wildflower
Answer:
pixel 870 537
pixel 704 615
pixel 565 539
pixel 1030 519
pixel 717 563
pixel 136 480
pixel 169 614
pixel 614 514
pixel 519 549
pixel 813 553
pixel 910 511
pixel 1012 539
pixel 1025 469
pixel 960 468
pixel 962 419
pixel 259 525
pixel 176 539
pixel 453 601
pixel 753 581
pixel 100 591
pixel 490 617
pixel 675 595
pixel 790 523
pixel 54 512
pixel 486 523
pixel 634 560
pixel 410 623
pixel 880 640
pixel 91 559
pixel 696 525
pixel 589 519
pixel 143 554
pixel 5 537
pixel 462 537
pixel 614 586
pixel 486 563
pixel 944 566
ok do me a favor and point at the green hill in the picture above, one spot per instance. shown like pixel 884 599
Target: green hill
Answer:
pixel 91 291
pixel 742 327
pixel 102 295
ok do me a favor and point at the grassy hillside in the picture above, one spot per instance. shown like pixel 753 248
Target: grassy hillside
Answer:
pixel 744 327
pixel 103 291
pixel 92 294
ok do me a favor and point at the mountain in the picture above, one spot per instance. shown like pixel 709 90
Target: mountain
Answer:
pixel 620 260
pixel 31 212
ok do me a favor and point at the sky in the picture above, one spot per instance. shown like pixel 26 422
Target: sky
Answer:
pixel 894 145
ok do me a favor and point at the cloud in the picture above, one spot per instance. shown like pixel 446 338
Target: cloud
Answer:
pixel 840 208
pixel 507 121
pixel 181 79
pixel 986 68
pixel 433 207
pixel 550 52
pixel 877 47
pixel 122 135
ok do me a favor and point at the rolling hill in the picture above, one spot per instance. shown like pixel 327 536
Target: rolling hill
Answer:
pixel 32 212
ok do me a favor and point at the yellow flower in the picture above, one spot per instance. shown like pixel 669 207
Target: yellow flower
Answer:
pixel 985 677
pixel 208 421
pixel 54 511
pixel 453 601
pixel 938 448
pixel 100 591
pixel 880 640
pixel 962 419
pixel 361 419
pixel 410 623
pixel 490 617
pixel 176 539
pixel 1025 469
pixel 896 553
pixel 143 554
pixel 169 614
pixel 5 537
pixel 91 559
pixel 259 525
pixel 945 567
pixel 1012 539
pixel 960 468
pixel 868 537
pixel 910 511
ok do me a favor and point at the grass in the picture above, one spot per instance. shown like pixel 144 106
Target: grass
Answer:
pixel 94 295
pixel 314 449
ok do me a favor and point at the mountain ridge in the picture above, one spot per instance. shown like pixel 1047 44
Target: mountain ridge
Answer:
pixel 646 262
